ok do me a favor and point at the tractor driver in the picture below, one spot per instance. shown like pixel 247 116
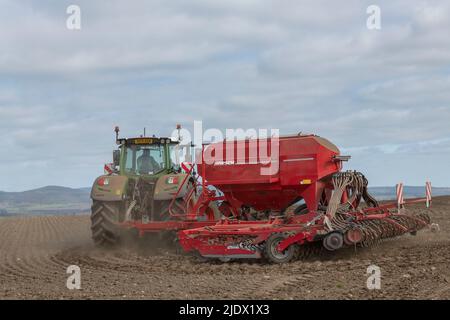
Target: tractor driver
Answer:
pixel 146 164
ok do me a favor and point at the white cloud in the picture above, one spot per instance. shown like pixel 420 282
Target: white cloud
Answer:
pixel 308 66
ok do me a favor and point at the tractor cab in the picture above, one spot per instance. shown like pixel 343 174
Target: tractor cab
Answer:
pixel 146 157
pixel 146 187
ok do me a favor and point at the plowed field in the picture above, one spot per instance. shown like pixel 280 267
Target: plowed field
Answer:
pixel 36 251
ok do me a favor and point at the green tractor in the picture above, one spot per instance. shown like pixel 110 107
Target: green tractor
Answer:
pixel 145 184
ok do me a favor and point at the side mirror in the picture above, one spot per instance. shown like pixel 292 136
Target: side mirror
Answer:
pixel 116 157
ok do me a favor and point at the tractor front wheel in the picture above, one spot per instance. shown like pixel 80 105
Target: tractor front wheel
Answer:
pixel 104 219
pixel 272 254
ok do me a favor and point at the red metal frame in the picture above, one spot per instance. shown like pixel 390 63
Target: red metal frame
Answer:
pixel 242 184
pixel 306 166
pixel 205 240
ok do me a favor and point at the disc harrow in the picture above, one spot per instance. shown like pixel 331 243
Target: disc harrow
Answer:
pixel 340 222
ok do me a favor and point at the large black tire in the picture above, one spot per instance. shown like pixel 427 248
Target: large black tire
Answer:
pixel 301 209
pixel 104 219
pixel 162 209
pixel 272 255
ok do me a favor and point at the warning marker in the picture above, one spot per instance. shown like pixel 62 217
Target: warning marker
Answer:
pixel 399 191
pixel 428 193
pixel 108 168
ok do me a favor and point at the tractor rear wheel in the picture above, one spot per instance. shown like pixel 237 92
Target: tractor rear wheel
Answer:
pixel 162 208
pixel 104 219
pixel 180 205
pixel 273 255
pixel 301 209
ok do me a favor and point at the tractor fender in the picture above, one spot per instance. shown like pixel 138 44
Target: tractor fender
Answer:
pixel 109 188
pixel 167 186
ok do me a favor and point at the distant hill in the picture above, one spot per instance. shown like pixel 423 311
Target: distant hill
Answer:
pixel 56 200
pixel 46 200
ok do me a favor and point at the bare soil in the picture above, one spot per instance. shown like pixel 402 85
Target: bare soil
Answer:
pixel 36 251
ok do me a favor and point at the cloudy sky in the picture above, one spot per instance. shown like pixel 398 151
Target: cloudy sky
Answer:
pixel 313 66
